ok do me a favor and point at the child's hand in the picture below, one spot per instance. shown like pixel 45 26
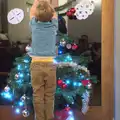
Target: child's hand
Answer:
pixel 33 9
pixel 55 16
pixel 36 2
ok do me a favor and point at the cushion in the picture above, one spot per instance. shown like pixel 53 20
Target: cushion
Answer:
pixel 3 36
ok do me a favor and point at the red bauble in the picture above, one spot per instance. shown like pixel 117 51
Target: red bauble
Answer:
pixel 60 82
pixel 61 115
pixel 67 108
pixel 74 46
pixel 85 82
pixel 69 14
pixel 72 10
pixel 64 86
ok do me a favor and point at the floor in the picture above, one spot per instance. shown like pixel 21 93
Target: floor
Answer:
pixel 6 113
pixel 96 96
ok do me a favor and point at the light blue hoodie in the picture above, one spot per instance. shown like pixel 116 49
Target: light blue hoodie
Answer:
pixel 43 37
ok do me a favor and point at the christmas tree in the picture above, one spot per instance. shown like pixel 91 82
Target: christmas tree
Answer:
pixel 74 82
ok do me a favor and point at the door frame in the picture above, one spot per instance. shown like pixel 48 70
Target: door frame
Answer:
pixel 108 59
pixel 106 110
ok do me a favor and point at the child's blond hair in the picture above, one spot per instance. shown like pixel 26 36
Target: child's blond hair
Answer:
pixel 44 11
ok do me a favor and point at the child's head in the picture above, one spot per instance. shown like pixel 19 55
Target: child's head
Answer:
pixel 44 11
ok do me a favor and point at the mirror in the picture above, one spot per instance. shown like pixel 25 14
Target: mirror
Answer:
pixel 79 41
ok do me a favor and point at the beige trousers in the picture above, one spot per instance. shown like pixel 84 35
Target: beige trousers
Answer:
pixel 43 75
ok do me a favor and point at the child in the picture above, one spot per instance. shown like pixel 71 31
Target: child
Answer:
pixel 44 25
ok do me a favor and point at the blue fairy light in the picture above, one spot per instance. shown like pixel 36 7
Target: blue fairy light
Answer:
pixel 67 105
pixel 26 61
pixel 19 67
pixel 75 83
pixel 21 103
pixel 17 111
pixel 65 60
pixel 69 58
pixel 55 61
pixel 21 75
pixel 19 81
pixel 82 76
pixel 79 84
pixel 6 95
pixel 71 118
pixel 26 66
pixel 60 52
pixel 68 82
pixel 28 74
pixel 70 113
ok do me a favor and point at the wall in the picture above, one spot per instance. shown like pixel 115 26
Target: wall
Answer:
pixel 117 60
pixel 90 26
pixel 20 31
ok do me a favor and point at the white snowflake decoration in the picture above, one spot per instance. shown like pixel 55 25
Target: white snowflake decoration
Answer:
pixel 84 9
pixel 93 1
pixel 15 16
pixel 85 102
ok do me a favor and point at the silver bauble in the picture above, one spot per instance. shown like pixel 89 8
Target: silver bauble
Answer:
pixel 25 113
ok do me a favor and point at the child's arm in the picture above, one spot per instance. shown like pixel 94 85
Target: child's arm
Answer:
pixel 33 9
pixel 32 12
pixel 55 20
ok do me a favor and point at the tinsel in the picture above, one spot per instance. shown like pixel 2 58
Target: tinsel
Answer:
pixel 85 101
pixel 73 65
